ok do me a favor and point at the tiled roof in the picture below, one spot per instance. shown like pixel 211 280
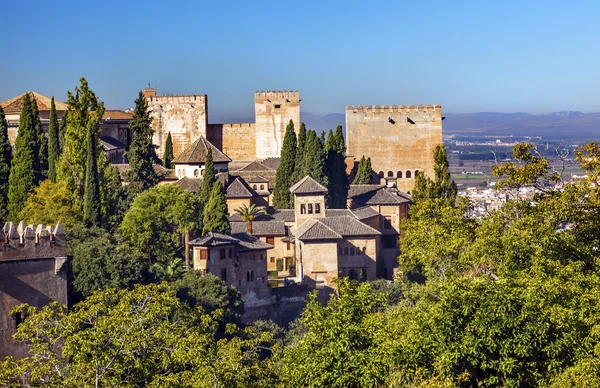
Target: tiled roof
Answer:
pixel 271 163
pixel 16 104
pixel 286 215
pixel 356 190
pixel 307 185
pixel 190 184
pixel 365 212
pixel 116 115
pixel 260 228
pixel 247 243
pixel 213 239
pixel 338 212
pixel 258 179
pixel 377 195
pixel 255 167
pixel 314 229
pixel 347 226
pixel 111 144
pixel 239 189
pixel 160 170
pixel 196 153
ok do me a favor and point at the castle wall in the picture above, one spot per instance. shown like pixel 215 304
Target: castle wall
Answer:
pixel 273 111
pixel 186 117
pixel 392 141
pixel 238 141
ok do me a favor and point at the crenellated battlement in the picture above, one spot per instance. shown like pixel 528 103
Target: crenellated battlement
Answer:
pixel 394 109
pixel 264 94
pixel 237 125
pixel 32 241
pixel 178 99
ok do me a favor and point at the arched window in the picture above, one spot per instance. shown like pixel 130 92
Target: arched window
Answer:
pixel 416 172
pixel 251 276
pixel 262 187
pixel 317 208
pixel 365 250
pixel 346 251
pixel 302 209
pixel 339 251
pixel 201 172
pixel 352 251
pixel 196 172
pixel 381 174
pixel 408 173
pixel 247 276
pixel 310 208
pixel 399 174
pixel 390 174
pixel 254 187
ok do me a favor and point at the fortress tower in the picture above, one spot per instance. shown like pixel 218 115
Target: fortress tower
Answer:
pixel 273 111
pixel 399 139
pixel 186 117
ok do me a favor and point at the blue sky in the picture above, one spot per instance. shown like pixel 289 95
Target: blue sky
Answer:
pixel 469 56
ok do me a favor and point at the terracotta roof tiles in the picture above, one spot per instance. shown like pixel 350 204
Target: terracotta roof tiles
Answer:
pixel 196 153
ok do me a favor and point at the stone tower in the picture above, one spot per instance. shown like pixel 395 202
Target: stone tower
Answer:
pixel 273 111
pixel 185 116
pixel 399 139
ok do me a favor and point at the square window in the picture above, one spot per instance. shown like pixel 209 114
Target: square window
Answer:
pixel 317 208
pixel 277 106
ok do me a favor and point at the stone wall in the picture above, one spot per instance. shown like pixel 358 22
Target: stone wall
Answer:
pixel 186 117
pixel 366 260
pixel 238 141
pixel 319 263
pixel 273 111
pixel 397 138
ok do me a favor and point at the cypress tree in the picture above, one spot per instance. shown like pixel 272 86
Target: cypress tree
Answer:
pixel 91 200
pixel 208 179
pixel 141 152
pixel 168 156
pixel 441 186
pixel 61 133
pixel 216 216
pixel 322 138
pixel 284 176
pixel 336 170
pixel 363 172
pixel 314 158
pixel 5 159
pixel 41 145
pixel 53 142
pixel 23 177
pixel 298 168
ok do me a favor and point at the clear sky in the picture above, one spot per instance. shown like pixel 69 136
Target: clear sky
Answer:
pixel 532 56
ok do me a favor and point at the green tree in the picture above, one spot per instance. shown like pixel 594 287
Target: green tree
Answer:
pixel 41 143
pixel 298 167
pixel 442 186
pixel 285 171
pixel 208 180
pixel 336 170
pixel 249 213
pixel 363 172
pixel 314 158
pixel 24 175
pixel 5 161
pixel 53 142
pixel 91 200
pixel 168 156
pixel 216 216
pixel 51 202
pixel 141 154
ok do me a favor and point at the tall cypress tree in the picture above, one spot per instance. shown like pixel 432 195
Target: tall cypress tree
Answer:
pixel 298 168
pixel 314 158
pixel 284 176
pixel 141 152
pixel 336 170
pixel 441 186
pixel 5 160
pixel 91 200
pixel 41 145
pixel 216 216
pixel 168 156
pixel 208 179
pixel 53 142
pixel 61 133
pixel 363 172
pixel 23 177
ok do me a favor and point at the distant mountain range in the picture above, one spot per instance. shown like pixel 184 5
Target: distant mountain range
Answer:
pixel 557 125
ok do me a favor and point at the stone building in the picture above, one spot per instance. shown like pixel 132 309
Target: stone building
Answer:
pixel 186 118
pixel 114 132
pixel 190 162
pixel 33 270
pixel 399 140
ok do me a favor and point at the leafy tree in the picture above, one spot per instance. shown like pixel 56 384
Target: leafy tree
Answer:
pixel 61 133
pixel 208 180
pixel 336 170
pixel 168 156
pixel 5 161
pixel 51 202
pixel 442 186
pixel 249 213
pixel 91 200
pixel 141 154
pixel 282 198
pixel 53 142
pixel 170 270
pixel 134 338
pixel 216 216
pixel 157 219
pixel 314 158
pixel 298 167
pixel 98 263
pixel 363 172
pixel 115 198
pixel 24 176
pixel 41 143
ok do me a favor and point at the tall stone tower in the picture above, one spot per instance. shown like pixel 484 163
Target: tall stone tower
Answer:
pixel 399 139
pixel 185 116
pixel 273 111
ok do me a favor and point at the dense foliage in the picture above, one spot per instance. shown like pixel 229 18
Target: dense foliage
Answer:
pixel 168 156
pixel 53 142
pixel 282 198
pixel 363 172
pixel 5 161
pixel 216 215
pixel 337 178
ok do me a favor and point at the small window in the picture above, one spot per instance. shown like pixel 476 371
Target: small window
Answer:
pixel 271 240
pixel 272 259
pixel 247 276
pixel 339 251
pixel 240 282
pixel 262 187
pixel 381 174
pixel 399 174
pixel 230 253
pixel 310 209
pixel 201 172
pixel 346 251
pixel 303 209
pixel 352 251
pixel 277 106
pixel 390 174
pixel 408 174
pixel 363 274
pixel 416 172
pixel 251 276
pixel 364 250
pixel 387 223
pixel 222 253
pixel 254 187
pixel 262 256
pixel 196 172
pixel 224 274
pixel 18 319
pixel 317 208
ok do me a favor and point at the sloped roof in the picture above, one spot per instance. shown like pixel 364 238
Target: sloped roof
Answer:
pixel 196 153
pixel 285 215
pixel 111 144
pixel 260 228
pixel 365 212
pixel 338 212
pixel 247 243
pixel 255 166
pixel 377 195
pixel 258 179
pixel 16 104
pixel 307 185
pixel 239 189
pixel 190 184
pixel 356 190
pixel 347 226
pixel 313 229
pixel 116 115
pixel 271 163
pixel 213 239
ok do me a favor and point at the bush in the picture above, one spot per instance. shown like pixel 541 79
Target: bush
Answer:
pixel 279 265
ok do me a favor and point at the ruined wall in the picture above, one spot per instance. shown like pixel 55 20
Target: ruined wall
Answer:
pixel 238 141
pixel 273 111
pixel 397 138
pixel 186 117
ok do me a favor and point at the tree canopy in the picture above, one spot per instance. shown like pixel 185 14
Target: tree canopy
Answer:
pixel 5 161
pixel 284 176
